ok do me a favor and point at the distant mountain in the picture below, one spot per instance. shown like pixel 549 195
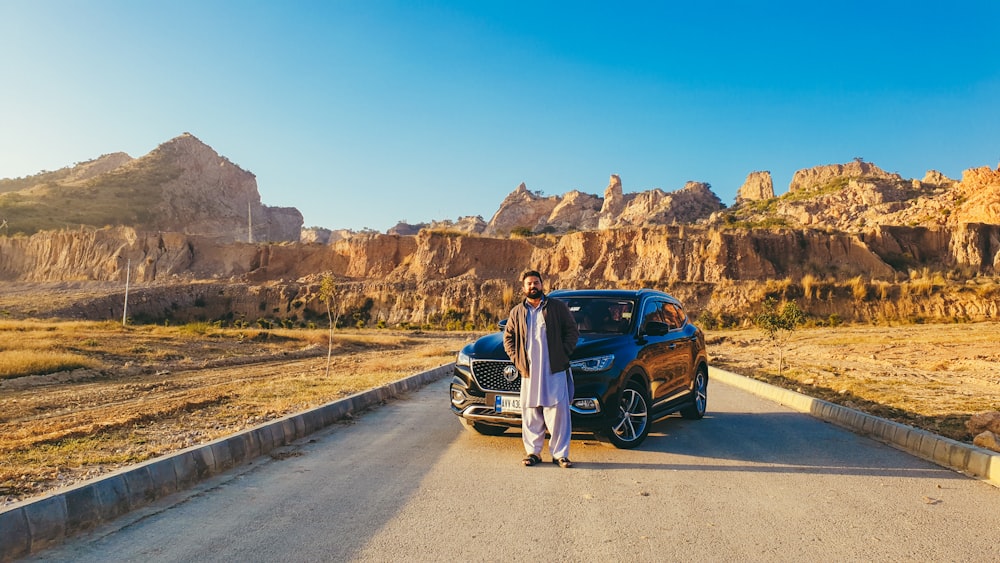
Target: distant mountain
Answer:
pixel 181 186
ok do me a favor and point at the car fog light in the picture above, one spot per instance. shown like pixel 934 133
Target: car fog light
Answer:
pixel 586 406
pixel 457 396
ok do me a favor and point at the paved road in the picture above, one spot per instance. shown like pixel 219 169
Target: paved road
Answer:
pixel 750 482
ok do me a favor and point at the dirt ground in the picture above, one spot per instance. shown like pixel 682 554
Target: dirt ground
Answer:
pixel 158 393
pixel 929 376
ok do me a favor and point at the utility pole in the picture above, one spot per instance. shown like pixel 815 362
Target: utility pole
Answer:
pixel 128 271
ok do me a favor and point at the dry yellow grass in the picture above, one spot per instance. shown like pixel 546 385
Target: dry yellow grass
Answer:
pixel 19 363
pixel 930 376
pixel 153 390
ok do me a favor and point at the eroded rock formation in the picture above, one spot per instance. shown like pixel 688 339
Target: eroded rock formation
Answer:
pixel 578 211
pixel 758 186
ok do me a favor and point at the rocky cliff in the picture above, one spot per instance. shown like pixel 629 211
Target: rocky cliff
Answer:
pixel 412 277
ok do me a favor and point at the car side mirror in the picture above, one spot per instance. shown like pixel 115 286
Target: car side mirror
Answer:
pixel 656 328
pixel 502 324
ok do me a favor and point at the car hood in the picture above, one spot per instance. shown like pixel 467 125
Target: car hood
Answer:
pixel 490 347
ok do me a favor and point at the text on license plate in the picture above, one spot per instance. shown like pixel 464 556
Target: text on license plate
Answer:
pixel 507 404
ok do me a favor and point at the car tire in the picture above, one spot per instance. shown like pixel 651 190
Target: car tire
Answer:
pixel 699 395
pixel 484 429
pixel 629 426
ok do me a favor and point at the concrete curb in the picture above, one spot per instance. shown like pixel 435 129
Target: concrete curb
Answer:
pixel 965 458
pixel 33 525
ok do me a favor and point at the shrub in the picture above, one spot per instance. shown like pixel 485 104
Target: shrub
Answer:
pixel 859 288
pixel 808 283
pixel 779 326
pixel 729 320
pixel 707 320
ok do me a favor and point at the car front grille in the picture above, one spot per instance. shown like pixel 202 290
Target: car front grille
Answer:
pixel 489 375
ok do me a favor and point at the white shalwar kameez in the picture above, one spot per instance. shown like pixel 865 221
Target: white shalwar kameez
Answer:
pixel 544 395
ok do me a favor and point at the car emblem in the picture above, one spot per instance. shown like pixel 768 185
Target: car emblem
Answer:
pixel 510 374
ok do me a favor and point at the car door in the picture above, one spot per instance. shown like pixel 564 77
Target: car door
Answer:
pixel 679 348
pixel 654 349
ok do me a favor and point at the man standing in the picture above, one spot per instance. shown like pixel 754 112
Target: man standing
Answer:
pixel 540 336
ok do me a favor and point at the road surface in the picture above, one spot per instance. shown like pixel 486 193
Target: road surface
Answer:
pixel 752 481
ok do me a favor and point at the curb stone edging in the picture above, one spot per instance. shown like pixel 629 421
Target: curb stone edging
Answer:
pixel 33 525
pixel 964 458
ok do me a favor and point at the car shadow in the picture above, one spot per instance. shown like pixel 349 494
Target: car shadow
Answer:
pixel 771 443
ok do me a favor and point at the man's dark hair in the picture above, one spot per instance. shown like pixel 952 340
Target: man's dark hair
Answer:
pixel 532 273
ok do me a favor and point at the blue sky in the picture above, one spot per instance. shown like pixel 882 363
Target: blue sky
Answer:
pixel 365 113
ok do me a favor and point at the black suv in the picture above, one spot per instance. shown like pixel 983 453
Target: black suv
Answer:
pixel 638 359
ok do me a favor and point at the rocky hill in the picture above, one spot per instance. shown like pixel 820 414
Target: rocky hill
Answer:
pixel 859 196
pixel 181 186
pixel 850 241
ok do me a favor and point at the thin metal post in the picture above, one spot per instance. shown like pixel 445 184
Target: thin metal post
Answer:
pixel 128 271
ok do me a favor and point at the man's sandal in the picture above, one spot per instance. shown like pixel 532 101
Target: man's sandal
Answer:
pixel 532 459
pixel 563 462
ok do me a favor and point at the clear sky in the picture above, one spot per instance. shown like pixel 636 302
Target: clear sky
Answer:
pixel 365 113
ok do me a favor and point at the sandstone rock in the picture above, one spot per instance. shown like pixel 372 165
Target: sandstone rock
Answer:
pixel 936 178
pixel 987 440
pixel 694 202
pixel 315 235
pixel 521 209
pixel 758 186
pixel 818 176
pixel 405 229
pixel 980 190
pixel 577 211
pixel 859 197
pixel 580 211
pixel 984 421
pixel 613 205
pixel 468 225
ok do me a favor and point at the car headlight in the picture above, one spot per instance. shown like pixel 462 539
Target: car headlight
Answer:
pixel 598 363
pixel 463 360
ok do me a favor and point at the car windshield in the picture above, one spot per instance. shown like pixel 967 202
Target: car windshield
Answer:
pixel 601 314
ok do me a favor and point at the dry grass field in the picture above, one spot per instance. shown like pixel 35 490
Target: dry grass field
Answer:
pixel 113 396
pixel 930 376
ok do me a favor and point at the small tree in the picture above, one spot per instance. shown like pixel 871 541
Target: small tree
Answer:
pixel 327 294
pixel 779 326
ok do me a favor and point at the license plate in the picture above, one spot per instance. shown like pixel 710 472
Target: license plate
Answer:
pixel 508 404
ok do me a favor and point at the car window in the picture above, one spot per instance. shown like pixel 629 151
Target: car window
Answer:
pixel 674 314
pixel 602 315
pixel 653 311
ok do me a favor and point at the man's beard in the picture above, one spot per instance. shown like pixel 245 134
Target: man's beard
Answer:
pixel 534 293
